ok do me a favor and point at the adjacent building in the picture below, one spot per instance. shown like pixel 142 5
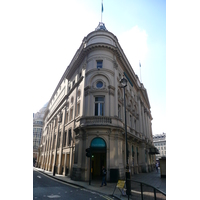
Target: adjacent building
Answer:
pixel 159 141
pixel 37 131
pixel 86 110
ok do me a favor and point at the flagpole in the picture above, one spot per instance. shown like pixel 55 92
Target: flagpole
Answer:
pixel 101 9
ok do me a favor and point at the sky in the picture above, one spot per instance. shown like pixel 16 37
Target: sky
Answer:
pixel 58 29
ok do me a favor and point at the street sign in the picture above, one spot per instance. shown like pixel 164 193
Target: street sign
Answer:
pixel 120 184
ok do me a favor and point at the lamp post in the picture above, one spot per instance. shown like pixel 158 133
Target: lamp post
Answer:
pixel 123 81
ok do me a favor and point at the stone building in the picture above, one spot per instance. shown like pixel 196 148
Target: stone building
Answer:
pixel 159 141
pixel 37 131
pixel 86 110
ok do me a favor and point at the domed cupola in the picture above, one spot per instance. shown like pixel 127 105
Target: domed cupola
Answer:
pixel 101 26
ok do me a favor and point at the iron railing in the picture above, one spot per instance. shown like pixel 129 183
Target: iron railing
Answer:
pixel 144 191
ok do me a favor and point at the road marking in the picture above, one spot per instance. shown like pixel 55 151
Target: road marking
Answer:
pixel 54 196
pixel 106 197
pixel 58 180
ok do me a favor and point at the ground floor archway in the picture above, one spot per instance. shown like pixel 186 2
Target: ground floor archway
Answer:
pixel 98 157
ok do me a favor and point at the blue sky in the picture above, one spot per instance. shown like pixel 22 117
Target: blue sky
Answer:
pixel 140 26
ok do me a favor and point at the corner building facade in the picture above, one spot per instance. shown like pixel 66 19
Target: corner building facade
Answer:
pixel 87 110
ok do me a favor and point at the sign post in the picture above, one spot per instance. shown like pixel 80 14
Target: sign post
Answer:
pixel 120 185
pixel 89 155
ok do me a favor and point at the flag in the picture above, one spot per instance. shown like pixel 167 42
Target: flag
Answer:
pixel 102 7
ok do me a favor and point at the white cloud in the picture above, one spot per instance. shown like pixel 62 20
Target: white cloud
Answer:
pixel 134 45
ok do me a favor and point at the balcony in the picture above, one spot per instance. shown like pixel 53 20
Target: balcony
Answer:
pixel 98 120
pixel 94 120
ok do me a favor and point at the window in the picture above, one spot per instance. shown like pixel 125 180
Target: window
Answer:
pixel 67 115
pixel 73 82
pixel 99 64
pixel 79 94
pixel 80 74
pixel 78 109
pixel 59 138
pixel 130 121
pixel 135 123
pixel 54 142
pixel 65 136
pixel 71 114
pixel 72 100
pixel 119 111
pixel 69 138
pixel 99 106
pixel 99 84
pixel 56 122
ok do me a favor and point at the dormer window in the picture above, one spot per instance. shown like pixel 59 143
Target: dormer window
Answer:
pixel 99 64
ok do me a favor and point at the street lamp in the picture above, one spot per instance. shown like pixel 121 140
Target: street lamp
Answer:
pixel 123 81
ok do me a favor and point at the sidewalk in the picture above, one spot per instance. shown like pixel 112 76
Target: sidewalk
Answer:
pixel 152 178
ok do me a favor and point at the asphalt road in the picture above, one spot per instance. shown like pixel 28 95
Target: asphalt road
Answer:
pixel 45 187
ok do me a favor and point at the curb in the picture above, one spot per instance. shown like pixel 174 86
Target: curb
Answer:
pixel 54 177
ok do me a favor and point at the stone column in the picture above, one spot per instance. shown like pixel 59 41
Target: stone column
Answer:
pixel 65 162
pixel 140 116
pixel 143 122
pixel 135 159
pixel 43 160
pixel 146 122
pixel 61 141
pixel 51 145
pixel 142 161
pixel 116 87
pixel 56 144
pixel 48 144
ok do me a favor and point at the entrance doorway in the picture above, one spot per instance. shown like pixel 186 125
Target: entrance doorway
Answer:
pixel 98 158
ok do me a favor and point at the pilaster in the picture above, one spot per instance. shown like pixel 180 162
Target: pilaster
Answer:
pixel 140 116
pixel 61 140
pixel 142 161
